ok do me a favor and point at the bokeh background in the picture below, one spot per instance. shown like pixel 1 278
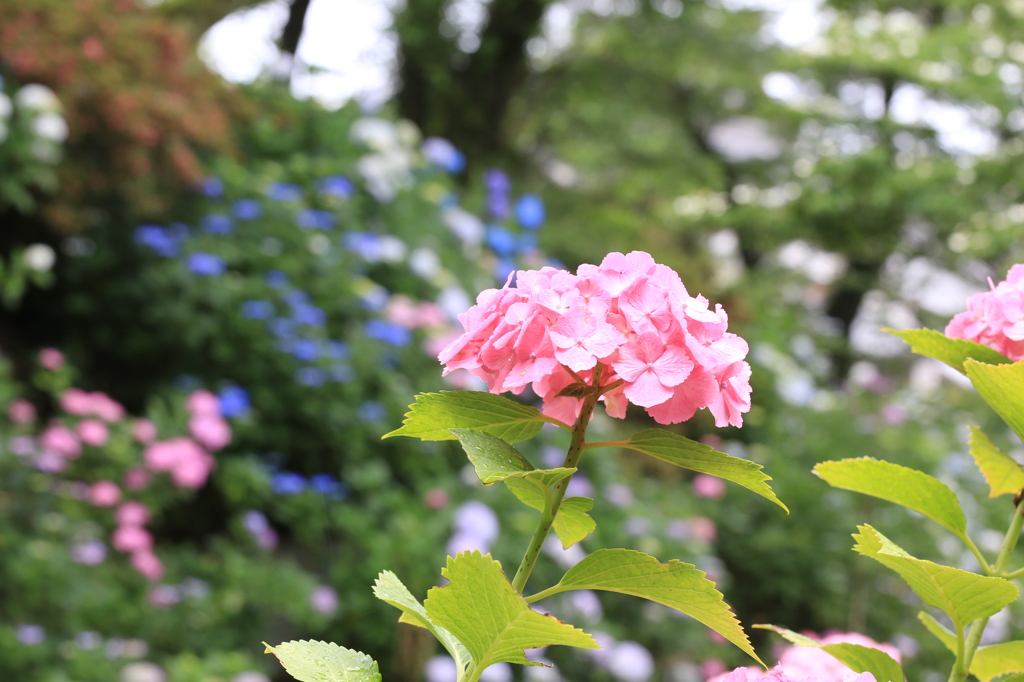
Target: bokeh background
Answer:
pixel 234 236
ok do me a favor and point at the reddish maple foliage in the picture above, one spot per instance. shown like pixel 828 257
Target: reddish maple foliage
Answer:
pixel 141 107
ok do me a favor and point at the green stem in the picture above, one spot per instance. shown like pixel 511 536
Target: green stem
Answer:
pixel 978 555
pixel 966 651
pixel 606 444
pixel 547 518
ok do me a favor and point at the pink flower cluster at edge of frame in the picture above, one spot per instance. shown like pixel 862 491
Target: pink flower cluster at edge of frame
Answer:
pixel 629 314
pixel 809 664
pixel 995 318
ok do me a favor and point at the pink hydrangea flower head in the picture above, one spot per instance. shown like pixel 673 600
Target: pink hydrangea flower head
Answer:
pixel 780 674
pixel 802 661
pixel 77 402
pixel 144 431
pixel 93 432
pixel 187 462
pixel 148 564
pixel 106 408
pixel 104 494
pixel 137 478
pixel 707 486
pixel 203 402
pixel 192 472
pixel 995 318
pixel 130 539
pixel 51 359
pixel 211 430
pixel 629 320
pixel 132 513
pixel 61 440
pixel 21 411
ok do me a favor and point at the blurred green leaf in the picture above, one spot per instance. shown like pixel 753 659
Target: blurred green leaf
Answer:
pixel 989 662
pixel 311 661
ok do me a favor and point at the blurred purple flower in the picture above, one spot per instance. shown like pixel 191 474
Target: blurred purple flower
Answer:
pixel 217 223
pixel 324 600
pixel 212 187
pixel 29 635
pixel 89 553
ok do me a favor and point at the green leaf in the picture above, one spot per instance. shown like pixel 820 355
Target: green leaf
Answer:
pixel 961 595
pixel 309 661
pixel 482 609
pixel 1002 387
pixel 1002 473
pixel 857 658
pixel 389 588
pixel 433 415
pixel 989 662
pixel 676 584
pixel 908 487
pixel 689 454
pixel 572 523
pixel 953 352
pixel 494 459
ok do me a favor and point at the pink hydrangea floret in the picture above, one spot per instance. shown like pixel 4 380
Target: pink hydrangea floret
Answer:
pixel 780 674
pixel 61 440
pixel 104 494
pixel 93 432
pixel 810 664
pixel 211 430
pixel 132 513
pixel 187 462
pixel 995 318
pixel 144 431
pixel 203 402
pixel 656 346
pixel 51 358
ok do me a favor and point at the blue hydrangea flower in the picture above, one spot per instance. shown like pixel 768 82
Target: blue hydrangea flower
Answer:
pixel 443 154
pixel 501 240
pixel 282 328
pixel 388 332
pixel 297 298
pixel 287 483
pixel 305 350
pixel 310 376
pixel 341 374
pixel 496 181
pixel 283 191
pixel 234 402
pixel 329 486
pixel 374 299
pixel 530 211
pixel 309 315
pixel 247 209
pixel 316 219
pixel 366 244
pixel 257 310
pixel 277 279
pixel 336 350
pixel 503 268
pixel 336 186
pixel 162 242
pixel 206 264
pixel 498 206
pixel 212 187
pixel 372 411
pixel 526 242
pixel 217 223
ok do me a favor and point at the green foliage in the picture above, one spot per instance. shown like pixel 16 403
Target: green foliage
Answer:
pixel 309 661
pixel 482 609
pixel 989 662
pixel 856 657
pixel 433 415
pixel 954 352
pixel 961 595
pixel 572 524
pixel 1002 473
pixel 389 588
pixel 683 452
pixel 676 584
pixel 907 487
pixel 1002 387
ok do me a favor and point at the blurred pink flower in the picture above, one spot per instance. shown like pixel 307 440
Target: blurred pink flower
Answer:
pixel 144 431
pixel 104 494
pixel 402 311
pixel 324 600
pixel 131 539
pixel 432 315
pixel 187 462
pixel 703 528
pixel 162 596
pixel 203 402
pixel 76 401
pixel 809 661
pixel 132 513
pixel 211 430
pixel 93 432
pixel 137 478
pixel 106 408
pixel 707 486
pixel 193 472
pixel 781 674
pixel 712 667
pixel 61 440
pixel 21 411
pixel 51 358
pixel 436 498
pixel 148 564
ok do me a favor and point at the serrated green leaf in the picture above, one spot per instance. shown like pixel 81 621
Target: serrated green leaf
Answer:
pixel 953 352
pixel 689 454
pixel 676 584
pixel 388 588
pixel 1002 387
pixel 433 415
pixel 907 487
pixel 482 609
pixel 309 661
pixel 494 459
pixel 857 658
pixel 961 595
pixel 1002 473
pixel 989 662
pixel 572 523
